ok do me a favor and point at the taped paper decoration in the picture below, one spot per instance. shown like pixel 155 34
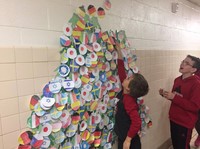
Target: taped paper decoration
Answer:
pixel 80 60
pixel 107 4
pixel 82 49
pixel 34 100
pixel 46 142
pixel 64 58
pixel 37 141
pixel 91 10
pixel 55 87
pixel 74 66
pixel 67 29
pixel 81 11
pixel 33 121
pixel 63 70
pixel 65 41
pixel 96 47
pixel 25 138
pixel 71 53
pixel 68 84
pixel 76 108
pixel 46 130
pixel 101 12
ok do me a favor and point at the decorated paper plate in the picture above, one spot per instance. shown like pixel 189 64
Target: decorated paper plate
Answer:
pixel 46 142
pixel 65 41
pixel 80 60
pixel 82 49
pixel 101 12
pixel 63 70
pixel 68 84
pixel 96 46
pixel 91 10
pixel 107 4
pixel 34 100
pixel 71 53
pixel 46 129
pixel 67 29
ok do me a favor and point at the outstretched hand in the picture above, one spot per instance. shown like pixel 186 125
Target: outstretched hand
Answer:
pixel 166 94
pixel 117 46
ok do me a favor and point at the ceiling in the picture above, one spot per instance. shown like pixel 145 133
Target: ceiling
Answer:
pixel 196 2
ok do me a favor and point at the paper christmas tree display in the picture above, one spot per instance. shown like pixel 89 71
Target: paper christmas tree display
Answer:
pixel 76 108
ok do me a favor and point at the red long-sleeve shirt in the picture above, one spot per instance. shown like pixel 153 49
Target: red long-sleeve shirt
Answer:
pixel 130 105
pixel 184 108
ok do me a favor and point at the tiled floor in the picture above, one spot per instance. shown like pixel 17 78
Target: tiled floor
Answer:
pixel 194 136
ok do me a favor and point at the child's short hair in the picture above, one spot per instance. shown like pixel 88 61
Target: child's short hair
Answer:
pixel 138 86
pixel 196 61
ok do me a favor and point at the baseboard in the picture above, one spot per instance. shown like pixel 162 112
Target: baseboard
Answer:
pixel 166 144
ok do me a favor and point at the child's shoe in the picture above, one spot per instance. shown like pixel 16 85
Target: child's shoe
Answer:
pixel 197 141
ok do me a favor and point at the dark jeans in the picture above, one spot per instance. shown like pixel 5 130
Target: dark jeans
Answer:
pixel 180 136
pixel 135 143
pixel 197 126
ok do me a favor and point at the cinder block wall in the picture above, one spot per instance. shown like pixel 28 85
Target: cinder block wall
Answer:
pixel 29 52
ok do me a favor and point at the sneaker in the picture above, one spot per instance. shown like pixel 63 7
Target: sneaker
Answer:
pixel 197 141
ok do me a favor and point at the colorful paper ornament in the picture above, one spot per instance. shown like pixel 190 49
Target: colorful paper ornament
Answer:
pixel 80 60
pixel 68 84
pixel 67 29
pixel 59 137
pixel 91 10
pixel 37 141
pixel 46 143
pixel 63 70
pixel 55 87
pixel 74 66
pixel 34 100
pixel 80 25
pixel 71 53
pixel 46 129
pixel 81 11
pixel 107 4
pixel 82 49
pixel 33 121
pixel 65 41
pixel 25 138
pixel 101 12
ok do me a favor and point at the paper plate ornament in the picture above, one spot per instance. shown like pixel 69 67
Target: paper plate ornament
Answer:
pixel 101 12
pixel 71 53
pixel 63 70
pixel 82 49
pixel 25 138
pixel 34 100
pixel 91 10
pixel 81 11
pixel 107 4
pixel 67 29
pixel 65 41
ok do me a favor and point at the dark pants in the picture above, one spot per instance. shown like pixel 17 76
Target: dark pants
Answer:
pixel 180 136
pixel 135 143
pixel 197 126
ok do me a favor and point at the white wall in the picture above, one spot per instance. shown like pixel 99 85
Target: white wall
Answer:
pixel 148 23
pixel 29 26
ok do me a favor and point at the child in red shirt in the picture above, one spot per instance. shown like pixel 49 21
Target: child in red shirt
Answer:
pixel 127 118
pixel 197 126
pixel 185 103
